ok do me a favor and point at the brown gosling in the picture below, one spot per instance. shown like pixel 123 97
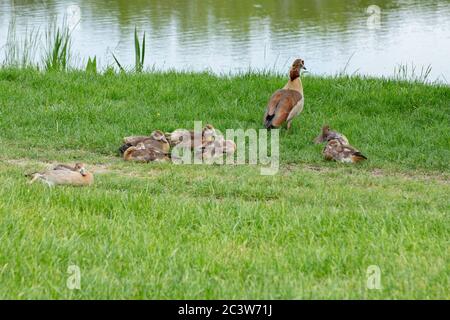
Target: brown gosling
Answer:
pixel 140 153
pixel 216 148
pixel 64 175
pixel 337 151
pixel 156 140
pixel 187 138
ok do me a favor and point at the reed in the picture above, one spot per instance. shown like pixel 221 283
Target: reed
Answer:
pixel 411 72
pixel 57 53
pixel 139 54
pixel 21 52
pixel 91 66
pixel 118 63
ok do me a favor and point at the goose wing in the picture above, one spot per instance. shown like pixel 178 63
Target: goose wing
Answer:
pixel 280 106
pixel 134 140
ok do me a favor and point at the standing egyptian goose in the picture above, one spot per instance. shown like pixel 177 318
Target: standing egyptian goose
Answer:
pixel 337 151
pixel 288 102
pixel 328 134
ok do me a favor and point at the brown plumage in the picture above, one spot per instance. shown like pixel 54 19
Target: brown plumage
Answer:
pixel 141 153
pixel 134 140
pixel 187 138
pixel 77 167
pixel 337 151
pixel 328 134
pixel 216 148
pixel 156 140
pixel 64 175
pixel 286 103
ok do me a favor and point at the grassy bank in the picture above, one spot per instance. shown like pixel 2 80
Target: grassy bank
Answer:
pixel 167 231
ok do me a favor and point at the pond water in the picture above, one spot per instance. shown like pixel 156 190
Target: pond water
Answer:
pixel 227 36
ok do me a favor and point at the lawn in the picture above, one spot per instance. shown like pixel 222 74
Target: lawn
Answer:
pixel 160 231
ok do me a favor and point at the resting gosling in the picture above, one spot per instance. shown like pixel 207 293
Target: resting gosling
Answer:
pixel 217 148
pixel 140 153
pixel 286 103
pixel 77 167
pixel 64 175
pixel 156 140
pixel 337 151
pixel 186 138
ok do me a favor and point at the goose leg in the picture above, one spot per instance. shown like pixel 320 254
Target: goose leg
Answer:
pixel 289 124
pixel 35 177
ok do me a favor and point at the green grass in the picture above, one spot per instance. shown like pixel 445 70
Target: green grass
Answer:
pixel 58 53
pixel 173 231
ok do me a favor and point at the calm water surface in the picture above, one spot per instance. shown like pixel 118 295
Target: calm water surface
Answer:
pixel 366 37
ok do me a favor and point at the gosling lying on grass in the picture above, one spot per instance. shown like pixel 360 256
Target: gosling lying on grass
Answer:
pixel 337 151
pixel 157 140
pixel 186 138
pixel 215 149
pixel 64 175
pixel 337 147
pixel 143 153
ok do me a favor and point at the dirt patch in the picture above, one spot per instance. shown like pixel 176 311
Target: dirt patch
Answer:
pixel 287 169
pixel 98 168
pixel 290 168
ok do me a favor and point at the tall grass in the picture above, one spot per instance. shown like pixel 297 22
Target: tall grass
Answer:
pixel 91 66
pixel 21 52
pixel 57 53
pixel 413 73
pixel 139 54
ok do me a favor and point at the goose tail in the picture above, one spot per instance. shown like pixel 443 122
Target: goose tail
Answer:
pixel 127 153
pixel 358 156
pixel 268 121
pixel 124 148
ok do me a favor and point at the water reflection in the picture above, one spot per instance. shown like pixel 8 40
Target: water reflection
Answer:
pixel 232 35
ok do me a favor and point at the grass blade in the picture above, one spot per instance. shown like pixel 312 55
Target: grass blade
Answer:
pixel 118 63
pixel 137 52
pixel 143 52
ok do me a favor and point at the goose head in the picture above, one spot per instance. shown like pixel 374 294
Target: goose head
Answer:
pixel 159 136
pixel 80 167
pixel 297 66
pixel 323 136
pixel 209 133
